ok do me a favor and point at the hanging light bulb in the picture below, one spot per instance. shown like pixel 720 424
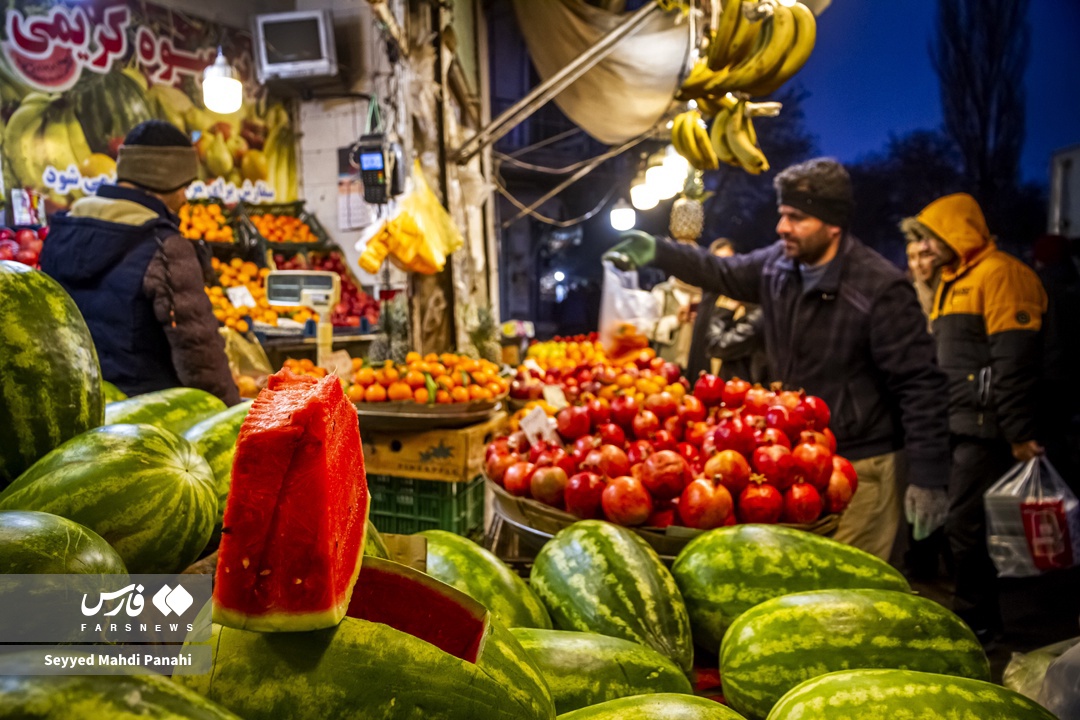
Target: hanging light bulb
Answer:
pixel 676 164
pixel 643 196
pixel 623 216
pixel 222 90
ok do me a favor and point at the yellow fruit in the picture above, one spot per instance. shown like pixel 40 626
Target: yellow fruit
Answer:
pixel 254 167
pixel 97 164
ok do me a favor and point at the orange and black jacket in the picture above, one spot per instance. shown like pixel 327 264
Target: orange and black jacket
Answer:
pixel 987 317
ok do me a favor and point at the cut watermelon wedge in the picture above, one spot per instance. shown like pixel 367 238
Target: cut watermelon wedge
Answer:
pixel 294 524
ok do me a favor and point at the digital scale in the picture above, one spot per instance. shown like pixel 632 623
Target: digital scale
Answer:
pixel 316 289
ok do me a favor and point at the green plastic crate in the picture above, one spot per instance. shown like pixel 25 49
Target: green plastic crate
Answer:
pixel 406 505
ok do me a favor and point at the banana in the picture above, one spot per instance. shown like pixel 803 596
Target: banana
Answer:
pixel 704 149
pixel 725 31
pixel 686 135
pixel 694 84
pixel 718 139
pixel 746 32
pixel 676 136
pixel 797 55
pixel 709 105
pixel 777 37
pixel 79 144
pixel 21 141
pixel 56 148
pixel 737 134
pixel 681 138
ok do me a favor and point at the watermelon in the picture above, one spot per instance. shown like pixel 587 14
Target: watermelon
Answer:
pixel 215 439
pixel 410 647
pixel 655 707
pixel 782 642
pixel 111 393
pixel 876 694
pixel 725 572
pixel 583 669
pixel 50 380
pixel 33 543
pixel 175 409
pixel 374 545
pixel 109 693
pixel 597 577
pixel 461 563
pixel 293 535
pixel 143 489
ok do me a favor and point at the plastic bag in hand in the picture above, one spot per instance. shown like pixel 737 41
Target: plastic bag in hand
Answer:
pixel 627 313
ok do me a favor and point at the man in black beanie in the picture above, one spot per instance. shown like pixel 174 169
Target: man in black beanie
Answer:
pixel 843 323
pixel 136 280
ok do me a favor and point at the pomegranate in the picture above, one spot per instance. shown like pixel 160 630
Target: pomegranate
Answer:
pixel 497 465
pixel 498 446
pixel 591 462
pixel 692 410
pixel 758 400
pixel 733 434
pixel 638 450
pixel 624 409
pixel 730 469
pixel 573 422
pixel 582 495
pixel 830 439
pixel 775 463
pixel 665 474
pixel 663 404
pixel 802 504
pixel 689 452
pixel 760 502
pixel 671 372
pixel 813 464
pixel 568 462
pixel 844 465
pixel 645 425
pixel 788 398
pixel 518 442
pixel 709 389
pixel 815 412
pixel 735 392
pixel 537 450
pixel 771 436
pixel 626 501
pixel 613 461
pixel 583 446
pixel 674 426
pixel 662 517
pixel 548 485
pixel 780 417
pixel 518 477
pixel 696 432
pixel 599 412
pixel 839 492
pixel 705 505
pixel 611 434
pixel 663 440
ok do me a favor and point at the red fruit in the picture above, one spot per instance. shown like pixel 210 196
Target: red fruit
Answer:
pixel 573 422
pixel 775 464
pixel 671 372
pixel 838 493
pixel 705 505
pixel 548 485
pixel 663 404
pixel 674 426
pixel 582 495
pixel 568 463
pixel 7 234
pixel 734 394
pixel 584 445
pixel 689 452
pixel 844 465
pixel 760 502
pixel 709 389
pixel 26 257
pixel 497 464
pixel 519 390
pixel 830 440
pixel 537 450
pixel 771 436
pixel 802 504
pixel 638 451
pixel 599 412
pixel 662 517
pixel 813 464
pixel 812 436
pixel 696 432
pixel 663 440
pixel 25 236
pixel 8 248
pixel 546 458
pixel 591 462
pixel 692 410
pixel 611 434
pixel 758 400
pixel 626 501
pixel 815 411
pixel 645 425
pixel 624 409
pixel 788 398
pixel 780 417
pixel 665 474
pixel 733 434
pixel 518 477
pixel 730 469
pixel 518 442
pixel 613 461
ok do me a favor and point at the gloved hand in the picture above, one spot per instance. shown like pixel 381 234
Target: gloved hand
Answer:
pixel 926 509
pixel 636 249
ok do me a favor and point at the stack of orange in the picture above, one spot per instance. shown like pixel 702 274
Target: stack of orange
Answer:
pixel 205 222
pixel 283 228
pixel 304 367
pixel 237 273
pixel 431 379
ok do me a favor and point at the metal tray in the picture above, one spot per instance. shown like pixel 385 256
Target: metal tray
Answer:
pixel 411 417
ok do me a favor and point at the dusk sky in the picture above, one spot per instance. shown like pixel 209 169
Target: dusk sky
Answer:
pixel 870 75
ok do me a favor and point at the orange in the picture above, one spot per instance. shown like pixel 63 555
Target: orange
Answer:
pixel 421 396
pixel 436 368
pixel 415 379
pixel 375 393
pixel 356 393
pixel 460 394
pixel 431 358
pixel 442 397
pixel 365 376
pixel 412 358
pixel 446 382
pixel 478 392
pixel 306 364
pixel 494 388
pixel 399 391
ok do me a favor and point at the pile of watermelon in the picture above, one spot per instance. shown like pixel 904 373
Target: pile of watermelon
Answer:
pixel 727 453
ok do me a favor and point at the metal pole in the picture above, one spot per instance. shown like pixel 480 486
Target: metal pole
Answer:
pixel 554 85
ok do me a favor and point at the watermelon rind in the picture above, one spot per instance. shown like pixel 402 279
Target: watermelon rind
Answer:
pixel 50 379
pixel 725 572
pixel 112 393
pixel 583 669
pixel 597 577
pixel 215 440
pixel 176 409
pixel 33 543
pixel 876 694
pixel 477 572
pixel 785 641
pixel 374 545
pixel 664 706
pixel 146 491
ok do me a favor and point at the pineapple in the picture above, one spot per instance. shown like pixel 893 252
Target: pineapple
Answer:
pixel 687 220
pixel 484 336
pixel 392 341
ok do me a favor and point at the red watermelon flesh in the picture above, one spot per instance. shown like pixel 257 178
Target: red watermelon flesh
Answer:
pixel 416 604
pixel 293 531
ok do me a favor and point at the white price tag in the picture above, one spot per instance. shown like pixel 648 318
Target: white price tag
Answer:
pixel 240 296
pixel 340 364
pixel 555 397
pixel 534 425
pixel 531 365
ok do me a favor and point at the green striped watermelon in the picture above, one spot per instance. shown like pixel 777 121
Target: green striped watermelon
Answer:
pixel 109 693
pixel 143 489
pixel 782 642
pixel 877 694
pixel 725 572
pixel 33 543
pixel 176 409
pixel 461 563
pixel 50 380
pixel 410 648
pixel 111 392
pixel 656 707
pixel 583 669
pixel 374 545
pixel 215 439
pixel 597 577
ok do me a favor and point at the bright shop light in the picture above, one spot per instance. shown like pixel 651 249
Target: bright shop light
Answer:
pixel 559 276
pixel 643 196
pixel 222 90
pixel 623 216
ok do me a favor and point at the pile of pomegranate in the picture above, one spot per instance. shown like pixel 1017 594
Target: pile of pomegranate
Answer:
pixel 727 453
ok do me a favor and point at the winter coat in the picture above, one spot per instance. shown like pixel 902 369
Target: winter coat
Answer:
pixel 987 316
pixel 736 339
pixel 139 286
pixel 858 340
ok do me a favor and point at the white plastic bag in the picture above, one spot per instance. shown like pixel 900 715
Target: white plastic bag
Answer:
pixel 1060 692
pixel 625 306
pixel 1025 671
pixel 1032 521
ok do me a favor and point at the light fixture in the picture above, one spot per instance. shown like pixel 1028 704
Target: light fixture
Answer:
pixel 643 196
pixel 623 216
pixel 559 276
pixel 222 90
pixel 676 165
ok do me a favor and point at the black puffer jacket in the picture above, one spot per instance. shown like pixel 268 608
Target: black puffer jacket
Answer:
pixel 139 286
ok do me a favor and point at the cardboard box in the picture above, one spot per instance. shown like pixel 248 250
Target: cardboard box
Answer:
pixel 443 455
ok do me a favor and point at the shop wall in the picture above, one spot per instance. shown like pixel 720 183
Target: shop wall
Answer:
pixel 235 13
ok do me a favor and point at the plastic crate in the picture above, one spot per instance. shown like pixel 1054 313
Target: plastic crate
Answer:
pixel 407 505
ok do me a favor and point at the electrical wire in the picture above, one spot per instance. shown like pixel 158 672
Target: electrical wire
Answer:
pixel 545 142
pixel 547 220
